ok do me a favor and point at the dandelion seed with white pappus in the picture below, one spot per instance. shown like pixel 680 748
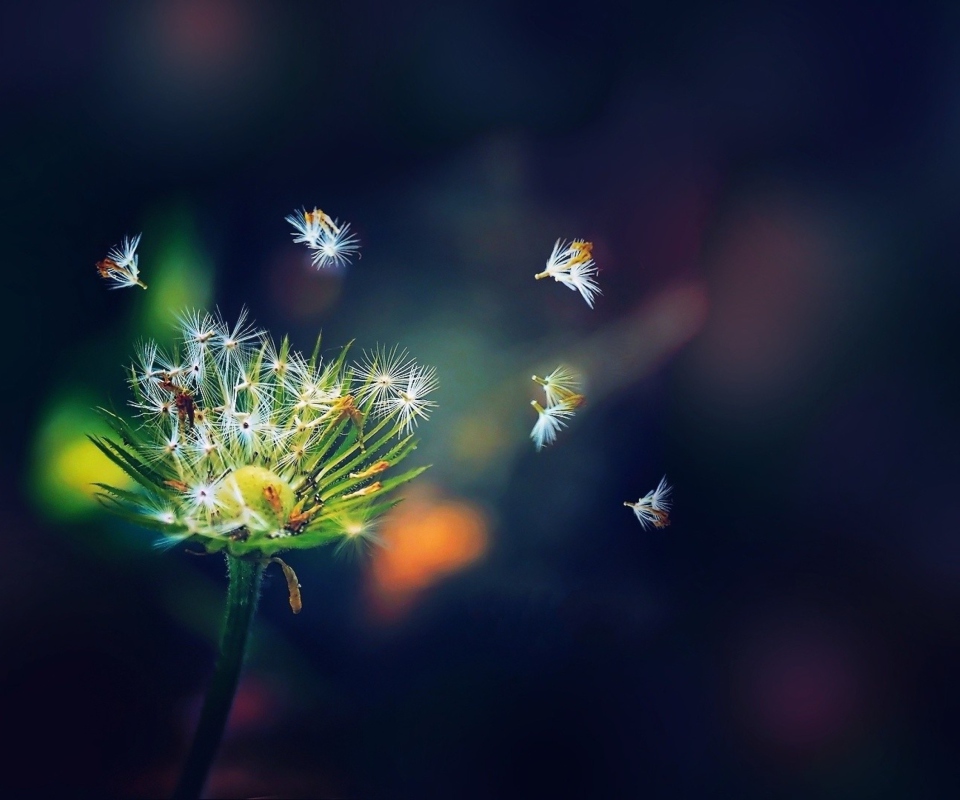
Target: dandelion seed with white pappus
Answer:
pixel 549 421
pixel 653 509
pixel 121 266
pixel 335 248
pixel 310 226
pixel 408 400
pixel 561 385
pixel 582 278
pixel 233 345
pixel 573 265
pixel 383 371
pixel 560 388
pixel 330 242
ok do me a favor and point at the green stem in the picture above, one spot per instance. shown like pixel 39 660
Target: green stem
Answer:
pixel 242 595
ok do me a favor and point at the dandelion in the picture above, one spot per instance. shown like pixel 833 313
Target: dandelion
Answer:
pixel 250 453
pixel 654 507
pixel 120 267
pixel 573 265
pixel 331 242
pixel 549 421
pixel 247 448
pixel 258 451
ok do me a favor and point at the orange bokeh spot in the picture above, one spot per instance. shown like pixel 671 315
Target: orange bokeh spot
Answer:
pixel 425 539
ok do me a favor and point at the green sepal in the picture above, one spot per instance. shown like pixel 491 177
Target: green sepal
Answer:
pixel 316 352
pixel 137 470
pixel 323 445
pixel 306 540
pixel 213 545
pixel 134 499
pixel 338 505
pixel 351 442
pixel 335 482
pixel 129 435
pixel 337 367
pixel 137 517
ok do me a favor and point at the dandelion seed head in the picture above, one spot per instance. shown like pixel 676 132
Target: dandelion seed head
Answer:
pixel 241 444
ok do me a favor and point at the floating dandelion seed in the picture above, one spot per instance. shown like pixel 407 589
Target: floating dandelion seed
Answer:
pixel 331 242
pixel 582 277
pixel 573 265
pixel 335 248
pixel 562 401
pixel 310 225
pixel 549 421
pixel 561 385
pixel 654 507
pixel 259 449
pixel 120 267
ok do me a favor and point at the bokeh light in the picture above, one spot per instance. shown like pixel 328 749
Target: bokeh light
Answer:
pixel 66 465
pixel 426 539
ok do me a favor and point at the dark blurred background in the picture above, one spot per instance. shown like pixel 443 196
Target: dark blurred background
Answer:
pixel 772 190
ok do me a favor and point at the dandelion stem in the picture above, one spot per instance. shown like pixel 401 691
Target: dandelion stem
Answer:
pixel 242 594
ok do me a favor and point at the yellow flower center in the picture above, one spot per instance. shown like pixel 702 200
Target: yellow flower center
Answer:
pixel 258 498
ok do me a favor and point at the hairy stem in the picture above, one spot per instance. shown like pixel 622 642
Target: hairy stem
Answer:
pixel 242 595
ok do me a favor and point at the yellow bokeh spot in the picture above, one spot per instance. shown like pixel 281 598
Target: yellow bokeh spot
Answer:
pixel 80 464
pixel 479 441
pixel 66 464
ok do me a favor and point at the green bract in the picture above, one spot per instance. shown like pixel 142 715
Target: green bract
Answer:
pixel 253 448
